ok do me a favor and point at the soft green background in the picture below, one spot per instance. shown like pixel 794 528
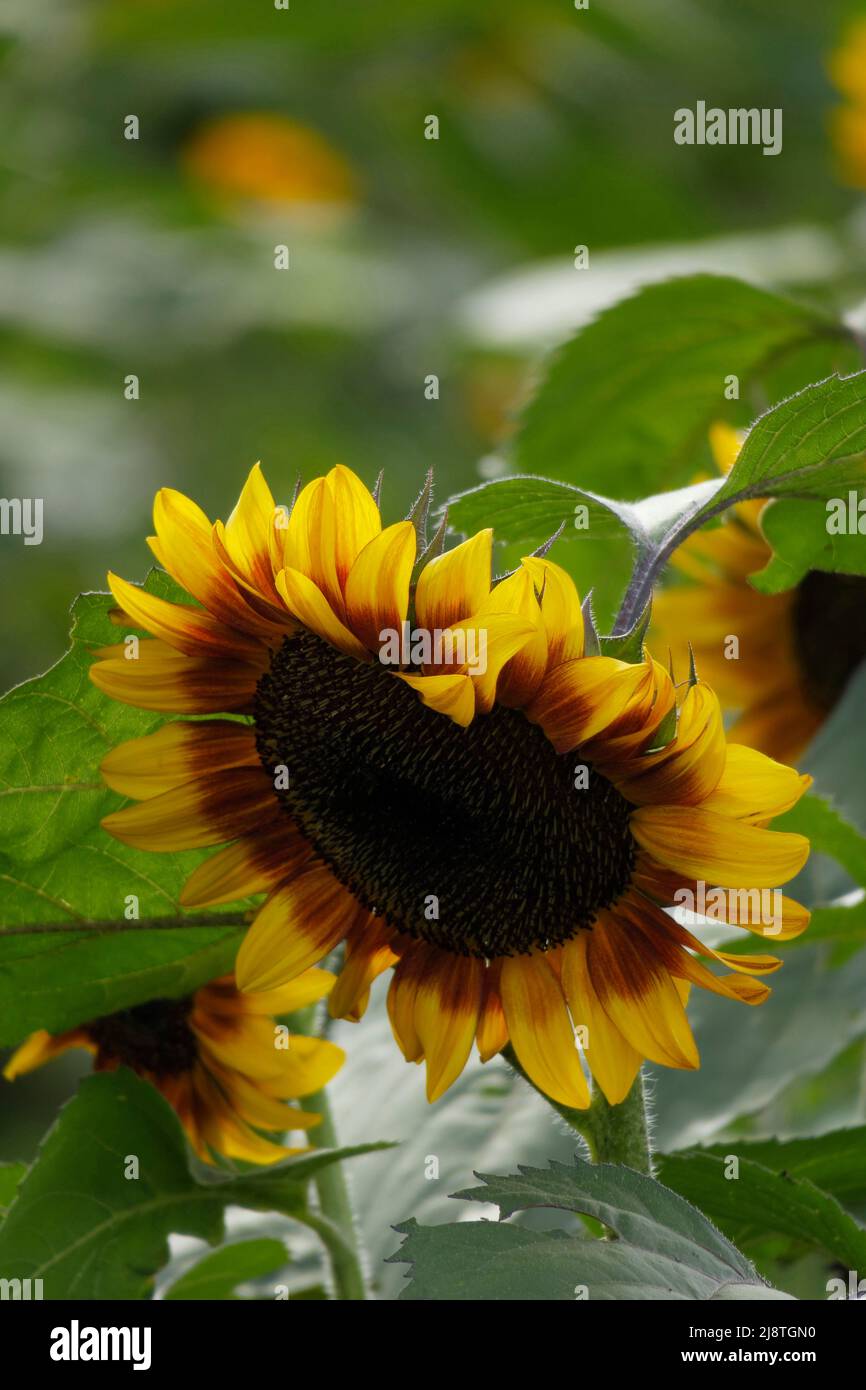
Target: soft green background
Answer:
pixel 556 129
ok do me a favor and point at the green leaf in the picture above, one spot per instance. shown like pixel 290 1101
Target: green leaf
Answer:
pixel 665 1247
pixel 56 981
pixel 834 1162
pixel 488 1119
pixel 59 868
pixel 84 1228
pixel 796 529
pixel 748 1293
pixel 632 395
pixel 765 1200
pixel 524 512
pixel 10 1176
pixel 804 446
pixel 218 1274
pixel 628 646
pixel 527 510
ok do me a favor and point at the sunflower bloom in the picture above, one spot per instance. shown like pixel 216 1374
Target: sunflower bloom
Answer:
pixel 796 650
pixel 214 1057
pixel 503 832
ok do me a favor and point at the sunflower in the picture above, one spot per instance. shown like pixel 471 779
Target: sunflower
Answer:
pixel 216 1058
pixel 795 650
pixel 505 833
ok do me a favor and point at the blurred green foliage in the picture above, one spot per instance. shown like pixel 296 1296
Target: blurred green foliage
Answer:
pixel 555 129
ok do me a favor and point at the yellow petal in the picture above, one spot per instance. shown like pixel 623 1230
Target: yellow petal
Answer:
pixel 368 954
pixel 492 1032
pixel 580 698
pixel 310 606
pixel 523 673
pixel 42 1047
pixel 184 545
pixel 447 1004
pixel 454 585
pixel 297 994
pixel 177 753
pixel 494 638
pixel 560 609
pixel 357 519
pixel 377 587
pixel 256 863
pixel 613 1061
pixel 704 845
pixel 541 1031
pixel 638 994
pixel 306 1066
pixel 160 678
pixel 453 695
pixel 247 535
pixel 753 787
pixel 188 630
pixel 689 769
pixel 298 926
pixel 206 812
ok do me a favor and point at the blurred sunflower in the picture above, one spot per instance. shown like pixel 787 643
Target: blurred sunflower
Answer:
pixel 213 1056
pixel 267 157
pixel 796 650
pixel 847 68
pixel 506 842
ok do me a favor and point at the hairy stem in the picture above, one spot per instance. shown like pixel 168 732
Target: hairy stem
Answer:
pixel 612 1133
pixel 334 1222
pixel 619 1133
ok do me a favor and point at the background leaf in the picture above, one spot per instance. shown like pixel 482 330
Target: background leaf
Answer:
pixel 767 1200
pixel 666 1248
pixel 55 981
pixel 58 866
pixel 88 1231
pixel 630 398
pixel 796 529
pixel 218 1274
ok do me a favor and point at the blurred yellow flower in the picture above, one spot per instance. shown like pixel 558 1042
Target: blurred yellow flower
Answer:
pixel 847 68
pixel 796 649
pixel 267 157
pixel 847 65
pixel 213 1057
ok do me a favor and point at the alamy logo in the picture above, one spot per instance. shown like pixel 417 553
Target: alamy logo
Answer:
pixel 23 1289
pixel 22 516
pixel 855 1287
pixel 750 906
pixel 76 1343
pixel 421 646
pixel 736 126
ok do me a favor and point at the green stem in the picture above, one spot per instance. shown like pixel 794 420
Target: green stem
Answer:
pixel 613 1133
pixel 619 1133
pixel 335 1222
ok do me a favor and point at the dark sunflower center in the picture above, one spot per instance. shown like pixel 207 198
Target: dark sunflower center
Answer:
pixel 477 840
pixel 153 1037
pixel 829 633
